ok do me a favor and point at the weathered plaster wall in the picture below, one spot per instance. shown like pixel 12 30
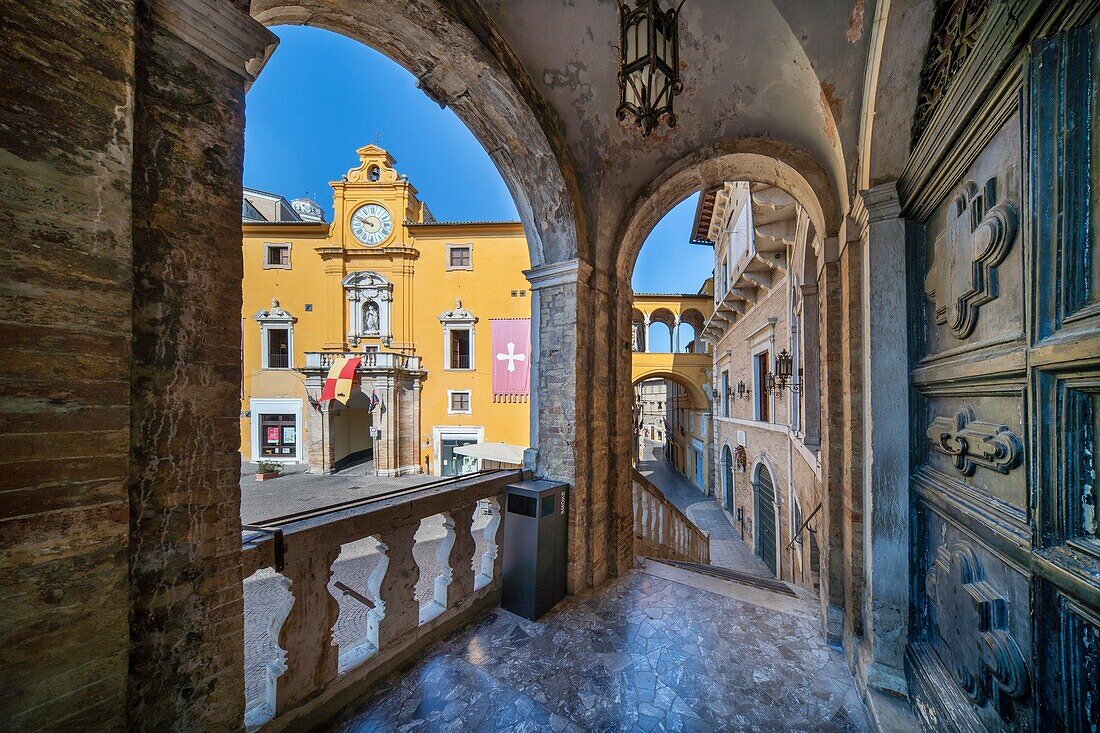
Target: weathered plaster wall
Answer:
pixel 65 300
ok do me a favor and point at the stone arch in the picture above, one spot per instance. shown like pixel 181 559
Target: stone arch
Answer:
pixel 661 316
pixel 899 40
pixel 465 66
pixel 694 318
pixel 699 398
pixel 758 160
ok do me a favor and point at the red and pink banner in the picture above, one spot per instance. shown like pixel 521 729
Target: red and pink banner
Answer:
pixel 511 356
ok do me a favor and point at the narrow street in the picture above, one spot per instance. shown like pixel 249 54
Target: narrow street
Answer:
pixel 727 550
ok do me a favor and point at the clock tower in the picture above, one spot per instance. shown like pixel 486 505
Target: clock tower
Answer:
pixel 370 242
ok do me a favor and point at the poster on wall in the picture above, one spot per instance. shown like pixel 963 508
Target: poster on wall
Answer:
pixel 272 435
pixel 289 434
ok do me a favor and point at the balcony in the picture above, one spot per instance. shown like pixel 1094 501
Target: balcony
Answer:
pixel 381 624
pixel 321 361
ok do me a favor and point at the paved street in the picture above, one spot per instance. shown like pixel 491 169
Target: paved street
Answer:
pixel 296 491
pixel 727 550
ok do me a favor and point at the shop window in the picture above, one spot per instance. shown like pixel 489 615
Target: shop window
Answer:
pixel 278 436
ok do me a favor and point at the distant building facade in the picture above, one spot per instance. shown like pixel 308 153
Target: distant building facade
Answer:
pixel 765 433
pixel 437 312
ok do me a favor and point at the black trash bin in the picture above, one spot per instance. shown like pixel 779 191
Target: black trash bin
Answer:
pixel 535 525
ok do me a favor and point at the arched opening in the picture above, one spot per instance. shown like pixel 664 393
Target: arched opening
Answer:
pixel 766 215
pixel 729 501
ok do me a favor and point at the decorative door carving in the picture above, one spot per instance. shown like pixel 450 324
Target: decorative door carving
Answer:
pixel 1005 355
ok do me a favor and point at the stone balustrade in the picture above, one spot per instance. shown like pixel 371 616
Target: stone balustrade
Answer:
pixel 322 360
pixel 661 530
pixel 315 677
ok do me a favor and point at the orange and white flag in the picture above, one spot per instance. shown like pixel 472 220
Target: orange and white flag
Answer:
pixel 341 375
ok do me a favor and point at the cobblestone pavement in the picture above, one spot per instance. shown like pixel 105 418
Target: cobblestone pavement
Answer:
pixel 727 549
pixel 263 591
pixel 642 653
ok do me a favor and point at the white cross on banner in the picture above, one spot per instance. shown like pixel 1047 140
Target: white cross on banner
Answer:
pixel 511 356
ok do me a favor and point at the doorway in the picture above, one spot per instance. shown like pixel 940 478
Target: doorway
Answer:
pixel 765 517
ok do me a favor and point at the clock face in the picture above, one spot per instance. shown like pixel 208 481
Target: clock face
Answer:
pixel 371 224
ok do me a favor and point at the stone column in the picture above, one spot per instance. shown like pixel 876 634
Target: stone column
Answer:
pixel 559 377
pixel 195 59
pixel 885 438
pixel 810 422
pixel 319 445
pixel 832 435
pixel 387 424
pixel 645 327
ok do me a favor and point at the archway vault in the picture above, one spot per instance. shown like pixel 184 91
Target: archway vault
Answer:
pixel 682 375
pixel 461 62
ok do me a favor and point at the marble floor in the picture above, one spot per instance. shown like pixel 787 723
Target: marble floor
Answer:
pixel 643 653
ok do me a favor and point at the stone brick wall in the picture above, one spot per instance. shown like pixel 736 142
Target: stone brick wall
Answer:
pixel 65 304
pixel 187 638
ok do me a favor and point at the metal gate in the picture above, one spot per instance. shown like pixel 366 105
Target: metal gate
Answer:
pixel 765 516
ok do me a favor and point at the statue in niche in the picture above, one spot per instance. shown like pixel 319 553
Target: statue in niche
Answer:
pixel 370 317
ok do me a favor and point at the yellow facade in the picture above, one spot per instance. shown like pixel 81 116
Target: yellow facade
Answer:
pixel 383 240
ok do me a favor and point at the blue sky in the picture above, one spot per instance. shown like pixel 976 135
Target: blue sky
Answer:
pixel 323 95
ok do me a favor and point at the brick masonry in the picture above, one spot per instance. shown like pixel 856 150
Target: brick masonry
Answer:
pixel 66 159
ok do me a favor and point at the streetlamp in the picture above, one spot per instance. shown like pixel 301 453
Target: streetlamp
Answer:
pixel 649 69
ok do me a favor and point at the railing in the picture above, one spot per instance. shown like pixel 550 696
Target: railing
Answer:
pixel 803 526
pixel 371 360
pixel 661 530
pixel 316 676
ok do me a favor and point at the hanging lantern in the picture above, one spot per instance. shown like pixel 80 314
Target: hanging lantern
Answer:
pixel 649 71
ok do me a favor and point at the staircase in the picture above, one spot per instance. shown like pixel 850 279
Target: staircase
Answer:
pixel 661 530
pixel 756 581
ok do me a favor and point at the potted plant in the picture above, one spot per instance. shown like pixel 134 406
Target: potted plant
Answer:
pixel 266 470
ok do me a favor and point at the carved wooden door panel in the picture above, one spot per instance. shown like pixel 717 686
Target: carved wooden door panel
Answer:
pixel 1005 627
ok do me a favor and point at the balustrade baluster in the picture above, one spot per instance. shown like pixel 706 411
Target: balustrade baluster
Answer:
pixel 490 568
pixel 456 555
pixel 392 586
pixel 311 658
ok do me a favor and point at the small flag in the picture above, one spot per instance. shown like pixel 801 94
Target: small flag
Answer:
pixel 374 401
pixel 340 377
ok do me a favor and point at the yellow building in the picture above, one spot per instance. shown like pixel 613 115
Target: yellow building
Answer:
pixel 416 299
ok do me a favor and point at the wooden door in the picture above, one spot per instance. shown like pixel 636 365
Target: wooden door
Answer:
pixel 765 516
pixel 1005 355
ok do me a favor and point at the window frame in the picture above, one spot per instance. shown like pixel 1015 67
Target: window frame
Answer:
pixel 265 345
pixel 268 247
pixel 451 393
pixel 451 248
pixel 448 330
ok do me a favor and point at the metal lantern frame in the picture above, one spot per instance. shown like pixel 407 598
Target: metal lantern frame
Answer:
pixel 783 378
pixel 649 63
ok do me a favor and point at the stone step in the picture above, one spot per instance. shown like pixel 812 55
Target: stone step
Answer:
pixel 756 581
